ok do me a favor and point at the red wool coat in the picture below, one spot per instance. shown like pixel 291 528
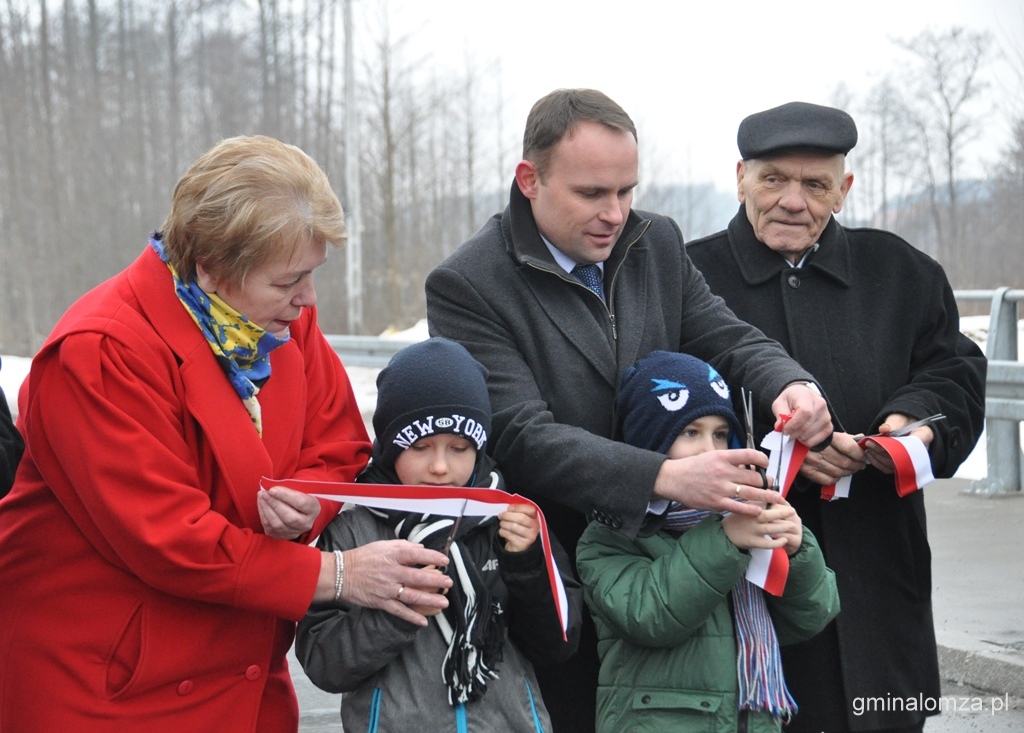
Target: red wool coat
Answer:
pixel 137 589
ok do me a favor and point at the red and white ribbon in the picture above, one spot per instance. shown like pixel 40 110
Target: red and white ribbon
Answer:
pixel 443 500
pixel 909 457
pixel 769 569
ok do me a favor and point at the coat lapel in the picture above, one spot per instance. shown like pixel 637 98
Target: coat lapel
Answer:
pixel 630 303
pixel 554 291
pixel 220 414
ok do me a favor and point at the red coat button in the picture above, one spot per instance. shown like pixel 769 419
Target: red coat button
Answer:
pixel 185 687
pixel 253 673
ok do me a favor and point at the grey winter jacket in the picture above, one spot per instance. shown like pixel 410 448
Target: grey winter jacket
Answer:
pixel 555 353
pixel 390 670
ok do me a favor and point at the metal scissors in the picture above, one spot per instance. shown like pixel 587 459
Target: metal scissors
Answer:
pixel 910 427
pixel 451 534
pixel 747 404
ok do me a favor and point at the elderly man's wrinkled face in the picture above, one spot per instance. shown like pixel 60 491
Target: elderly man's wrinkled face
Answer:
pixel 791 197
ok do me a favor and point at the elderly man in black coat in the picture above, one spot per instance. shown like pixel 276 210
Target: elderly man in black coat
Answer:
pixel 875 321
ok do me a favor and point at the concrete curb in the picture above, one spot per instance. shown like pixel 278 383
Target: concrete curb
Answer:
pixel 995 670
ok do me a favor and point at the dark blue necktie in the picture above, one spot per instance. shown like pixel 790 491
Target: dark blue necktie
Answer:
pixel 589 275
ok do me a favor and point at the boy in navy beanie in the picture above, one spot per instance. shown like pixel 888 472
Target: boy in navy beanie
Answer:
pixel 682 634
pixel 431 388
pixel 472 666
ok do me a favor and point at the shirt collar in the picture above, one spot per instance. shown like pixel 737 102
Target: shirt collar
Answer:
pixel 563 260
pixel 807 253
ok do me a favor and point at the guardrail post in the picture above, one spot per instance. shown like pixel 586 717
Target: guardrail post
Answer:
pixel 1003 397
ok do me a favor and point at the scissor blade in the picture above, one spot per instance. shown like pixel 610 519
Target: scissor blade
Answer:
pixel 451 534
pixel 910 427
pixel 747 402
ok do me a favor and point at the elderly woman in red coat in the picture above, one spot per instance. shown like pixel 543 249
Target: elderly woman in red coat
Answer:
pixel 147 583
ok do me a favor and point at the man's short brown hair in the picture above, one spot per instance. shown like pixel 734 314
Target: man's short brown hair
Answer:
pixel 558 114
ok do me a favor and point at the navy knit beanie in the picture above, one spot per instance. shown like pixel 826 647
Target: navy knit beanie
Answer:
pixel 664 392
pixel 430 387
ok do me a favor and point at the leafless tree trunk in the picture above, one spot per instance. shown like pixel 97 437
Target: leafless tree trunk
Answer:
pixel 946 118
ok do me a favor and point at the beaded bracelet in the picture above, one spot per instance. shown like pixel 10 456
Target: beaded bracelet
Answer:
pixel 339 574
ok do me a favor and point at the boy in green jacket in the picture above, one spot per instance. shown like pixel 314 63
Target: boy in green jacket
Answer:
pixel 686 642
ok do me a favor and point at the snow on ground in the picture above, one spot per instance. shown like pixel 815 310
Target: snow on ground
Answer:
pixel 14 369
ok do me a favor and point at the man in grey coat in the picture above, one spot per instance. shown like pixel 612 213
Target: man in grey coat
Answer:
pixel 876 322
pixel 556 341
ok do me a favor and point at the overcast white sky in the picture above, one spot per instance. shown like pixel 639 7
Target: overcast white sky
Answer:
pixel 688 72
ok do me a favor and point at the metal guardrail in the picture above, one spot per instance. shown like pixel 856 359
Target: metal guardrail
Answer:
pixel 1004 388
pixel 1004 394
pixel 365 351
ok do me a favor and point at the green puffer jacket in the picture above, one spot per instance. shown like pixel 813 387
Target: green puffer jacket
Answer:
pixel 665 629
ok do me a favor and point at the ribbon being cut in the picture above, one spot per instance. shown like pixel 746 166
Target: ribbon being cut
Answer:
pixel 909 457
pixel 443 500
pixel 769 569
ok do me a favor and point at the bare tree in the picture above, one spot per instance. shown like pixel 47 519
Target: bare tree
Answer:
pixel 945 113
pixel 883 159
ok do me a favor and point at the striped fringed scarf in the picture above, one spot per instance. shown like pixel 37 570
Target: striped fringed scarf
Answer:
pixel 758 662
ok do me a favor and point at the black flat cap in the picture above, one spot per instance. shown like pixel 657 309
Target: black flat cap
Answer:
pixel 794 126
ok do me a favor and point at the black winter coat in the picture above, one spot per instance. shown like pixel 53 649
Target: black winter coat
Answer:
pixel 875 321
pixel 11 447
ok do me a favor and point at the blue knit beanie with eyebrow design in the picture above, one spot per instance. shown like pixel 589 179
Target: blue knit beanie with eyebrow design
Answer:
pixel 664 392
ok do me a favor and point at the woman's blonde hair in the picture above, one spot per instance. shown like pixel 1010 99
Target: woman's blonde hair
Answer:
pixel 244 200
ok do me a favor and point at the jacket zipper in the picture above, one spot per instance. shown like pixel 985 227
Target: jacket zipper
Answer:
pixel 573 281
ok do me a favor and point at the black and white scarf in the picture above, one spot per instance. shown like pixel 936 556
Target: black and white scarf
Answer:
pixel 473 625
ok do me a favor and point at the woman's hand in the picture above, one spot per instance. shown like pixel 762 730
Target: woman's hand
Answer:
pixel 426 610
pixel 392 575
pixel 286 513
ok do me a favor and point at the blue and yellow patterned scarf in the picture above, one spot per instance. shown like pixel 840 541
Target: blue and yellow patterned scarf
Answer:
pixel 241 347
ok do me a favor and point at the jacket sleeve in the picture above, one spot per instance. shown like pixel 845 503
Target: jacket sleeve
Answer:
pixel 810 599
pixel 658 599
pixel 567 462
pixel 947 375
pixel 11 447
pixel 557 424
pixel 339 645
pixel 535 626
pixel 150 510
